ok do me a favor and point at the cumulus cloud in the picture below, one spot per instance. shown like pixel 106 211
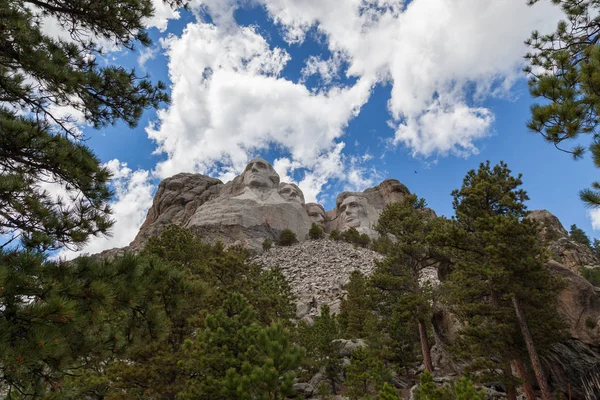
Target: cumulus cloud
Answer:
pixel 133 198
pixel 435 53
pixel 229 102
pixel 594 216
pixel 162 14
pixel 443 58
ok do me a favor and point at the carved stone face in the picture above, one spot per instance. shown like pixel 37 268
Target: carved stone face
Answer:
pixel 316 213
pixel 291 192
pixel 260 174
pixel 351 211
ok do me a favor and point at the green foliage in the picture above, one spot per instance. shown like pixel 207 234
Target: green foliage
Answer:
pixel 463 389
pixel 387 392
pixel 315 232
pixel 592 275
pixel 399 274
pixel 497 257
pixel 267 244
pixel 74 314
pixel 194 280
pixel 287 238
pixel 357 317
pixel 564 69
pixel 335 235
pixel 235 358
pixel 364 373
pixel 322 349
pixel 578 235
pixel 38 75
pixel 352 236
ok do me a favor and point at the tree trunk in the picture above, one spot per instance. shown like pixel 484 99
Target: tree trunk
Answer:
pixel 529 393
pixel 425 349
pixel 535 360
pixel 511 390
pixel 425 346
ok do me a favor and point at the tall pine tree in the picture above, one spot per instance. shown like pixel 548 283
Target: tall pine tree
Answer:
pixel 499 286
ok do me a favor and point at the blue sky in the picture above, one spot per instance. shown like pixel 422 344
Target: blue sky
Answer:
pixel 340 95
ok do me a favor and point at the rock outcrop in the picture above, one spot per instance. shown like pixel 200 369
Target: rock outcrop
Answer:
pixel 562 249
pixel 256 206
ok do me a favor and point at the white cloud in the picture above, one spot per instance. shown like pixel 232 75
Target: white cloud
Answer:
pixel 429 50
pixel 230 103
pixel 162 14
pixel 594 216
pixel 133 198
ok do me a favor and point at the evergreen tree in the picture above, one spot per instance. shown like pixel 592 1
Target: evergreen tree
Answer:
pixel 63 318
pixel 287 238
pixel 235 358
pixel 388 392
pixel 357 317
pixel 463 389
pixel 60 315
pixel 39 145
pixel 315 232
pixel 564 69
pixel 400 273
pixel 322 349
pixel 364 373
pixel 578 235
pixel 499 286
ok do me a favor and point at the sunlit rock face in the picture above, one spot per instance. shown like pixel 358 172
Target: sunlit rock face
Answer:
pixel 255 206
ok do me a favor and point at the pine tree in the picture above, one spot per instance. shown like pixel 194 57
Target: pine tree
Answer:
pixel 235 358
pixel 54 318
pixel 40 74
pixel 322 349
pixel 578 235
pixel 287 238
pixel 401 271
pixel 564 69
pixel 357 317
pixel 364 373
pixel 387 392
pixel 499 286
pixel 75 315
pixel 315 232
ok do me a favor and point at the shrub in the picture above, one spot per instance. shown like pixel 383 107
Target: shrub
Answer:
pixel 287 238
pixel 335 235
pixel 592 275
pixel 267 244
pixel 316 232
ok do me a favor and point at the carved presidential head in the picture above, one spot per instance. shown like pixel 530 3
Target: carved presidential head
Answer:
pixel 291 192
pixel 351 210
pixel 260 174
pixel 316 213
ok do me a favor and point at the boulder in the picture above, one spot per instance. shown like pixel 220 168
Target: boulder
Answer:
pixel 347 347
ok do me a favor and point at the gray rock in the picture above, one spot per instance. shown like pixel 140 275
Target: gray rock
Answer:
pixel 571 254
pixel 347 347
pixel 318 271
pixel 304 389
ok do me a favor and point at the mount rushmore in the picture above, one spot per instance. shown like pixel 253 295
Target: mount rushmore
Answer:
pixel 256 206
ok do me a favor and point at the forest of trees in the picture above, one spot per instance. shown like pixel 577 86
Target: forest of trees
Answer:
pixel 185 319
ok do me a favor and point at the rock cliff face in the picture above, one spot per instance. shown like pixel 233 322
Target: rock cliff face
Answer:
pixel 256 206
